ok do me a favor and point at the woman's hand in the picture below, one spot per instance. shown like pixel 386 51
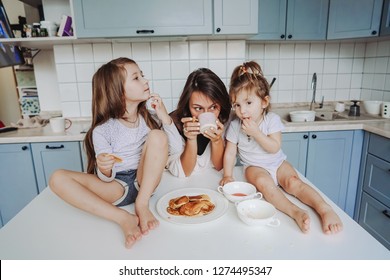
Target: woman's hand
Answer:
pixel 215 135
pixel 105 162
pixel 225 180
pixel 158 105
pixel 191 127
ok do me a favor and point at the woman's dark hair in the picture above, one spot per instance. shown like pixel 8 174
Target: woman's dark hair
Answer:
pixel 207 82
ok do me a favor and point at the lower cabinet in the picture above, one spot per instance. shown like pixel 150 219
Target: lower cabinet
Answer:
pixel 18 184
pixel 25 170
pixel 48 157
pixel 330 160
pixel 373 201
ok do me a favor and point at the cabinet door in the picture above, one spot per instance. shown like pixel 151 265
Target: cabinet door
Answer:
pixel 48 157
pixel 385 21
pixel 235 17
pixel 272 20
pixel 328 162
pixel 294 145
pixel 130 18
pixel 354 18
pixel 84 160
pixel 375 218
pixel 17 179
pixel 307 19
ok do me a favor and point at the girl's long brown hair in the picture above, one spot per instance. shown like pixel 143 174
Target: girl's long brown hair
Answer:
pixel 108 101
pixel 249 76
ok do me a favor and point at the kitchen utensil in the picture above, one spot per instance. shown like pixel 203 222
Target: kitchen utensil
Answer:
pixel 372 107
pixel 386 109
pixel 257 212
pixel 354 110
pixel 339 107
pixel 238 191
pixel 272 82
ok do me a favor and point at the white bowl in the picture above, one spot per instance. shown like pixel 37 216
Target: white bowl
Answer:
pixel 239 191
pixel 372 107
pixel 257 212
pixel 302 116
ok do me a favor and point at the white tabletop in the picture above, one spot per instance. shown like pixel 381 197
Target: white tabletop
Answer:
pixel 49 228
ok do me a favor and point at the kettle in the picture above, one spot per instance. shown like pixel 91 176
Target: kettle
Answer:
pixel 354 110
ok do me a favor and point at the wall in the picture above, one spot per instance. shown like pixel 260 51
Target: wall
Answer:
pixel 9 104
pixel 345 70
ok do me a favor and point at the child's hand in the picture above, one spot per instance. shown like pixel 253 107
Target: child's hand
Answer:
pixel 158 105
pixel 225 180
pixel 105 162
pixel 249 127
pixel 215 134
pixel 191 127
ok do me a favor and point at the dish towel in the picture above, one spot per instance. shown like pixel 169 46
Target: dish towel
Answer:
pixel 33 122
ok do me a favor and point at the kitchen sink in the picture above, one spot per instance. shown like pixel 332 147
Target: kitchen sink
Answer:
pixel 326 114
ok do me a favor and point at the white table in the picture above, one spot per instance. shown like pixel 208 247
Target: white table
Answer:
pixel 49 228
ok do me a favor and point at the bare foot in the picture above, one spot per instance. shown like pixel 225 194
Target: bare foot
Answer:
pixel 147 221
pixel 331 222
pixel 302 219
pixel 130 229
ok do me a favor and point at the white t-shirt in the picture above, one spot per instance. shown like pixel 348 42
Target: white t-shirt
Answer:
pixel 250 152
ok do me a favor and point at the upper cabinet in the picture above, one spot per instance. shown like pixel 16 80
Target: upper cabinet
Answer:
pixel 235 17
pixel 385 22
pixel 292 20
pixel 354 18
pixel 133 18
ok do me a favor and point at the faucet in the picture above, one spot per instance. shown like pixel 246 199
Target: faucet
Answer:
pixel 313 87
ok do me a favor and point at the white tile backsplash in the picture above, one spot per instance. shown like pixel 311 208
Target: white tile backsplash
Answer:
pixel 345 70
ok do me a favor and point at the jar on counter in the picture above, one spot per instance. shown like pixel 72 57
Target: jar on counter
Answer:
pixel 36 30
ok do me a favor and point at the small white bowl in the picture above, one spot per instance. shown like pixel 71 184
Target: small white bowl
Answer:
pixel 256 212
pixel 239 191
pixel 302 116
pixel 372 107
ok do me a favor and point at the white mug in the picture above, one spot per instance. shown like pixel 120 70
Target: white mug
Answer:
pixel 386 110
pixel 340 107
pixel 60 124
pixel 207 120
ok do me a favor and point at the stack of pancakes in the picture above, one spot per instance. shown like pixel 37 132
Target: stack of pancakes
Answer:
pixel 197 205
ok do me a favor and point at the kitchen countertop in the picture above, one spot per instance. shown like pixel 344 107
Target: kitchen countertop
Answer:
pixel 77 131
pixel 49 228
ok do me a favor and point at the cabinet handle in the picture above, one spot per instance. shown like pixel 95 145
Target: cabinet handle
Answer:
pixel 218 29
pixel 305 136
pixel 289 36
pixel 145 31
pixel 54 147
pixel 373 32
pixel 282 36
pixel 314 136
pixel 24 148
pixel 387 214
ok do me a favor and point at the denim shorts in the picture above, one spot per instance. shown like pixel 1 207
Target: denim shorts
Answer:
pixel 128 179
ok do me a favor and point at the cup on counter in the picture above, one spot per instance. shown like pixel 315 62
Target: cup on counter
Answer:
pixel 60 124
pixel 339 107
pixel 207 120
pixel 386 110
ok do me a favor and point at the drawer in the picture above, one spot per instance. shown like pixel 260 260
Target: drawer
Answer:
pixel 375 218
pixel 377 179
pixel 379 146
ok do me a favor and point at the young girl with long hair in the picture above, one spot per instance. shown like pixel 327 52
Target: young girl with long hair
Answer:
pixel 256 134
pixel 126 152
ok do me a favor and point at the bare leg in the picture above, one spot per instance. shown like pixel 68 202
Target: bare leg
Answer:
pixel 153 160
pixel 291 183
pixel 89 193
pixel 265 184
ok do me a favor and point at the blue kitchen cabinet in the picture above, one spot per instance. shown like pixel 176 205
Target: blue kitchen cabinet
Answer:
pixel 385 20
pixel 292 20
pixel 50 156
pixel 235 17
pixel 84 160
pixel 373 199
pixel 18 185
pixel 354 18
pixel 332 162
pixel 134 18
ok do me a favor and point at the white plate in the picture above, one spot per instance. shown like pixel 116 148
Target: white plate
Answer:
pixel 220 202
